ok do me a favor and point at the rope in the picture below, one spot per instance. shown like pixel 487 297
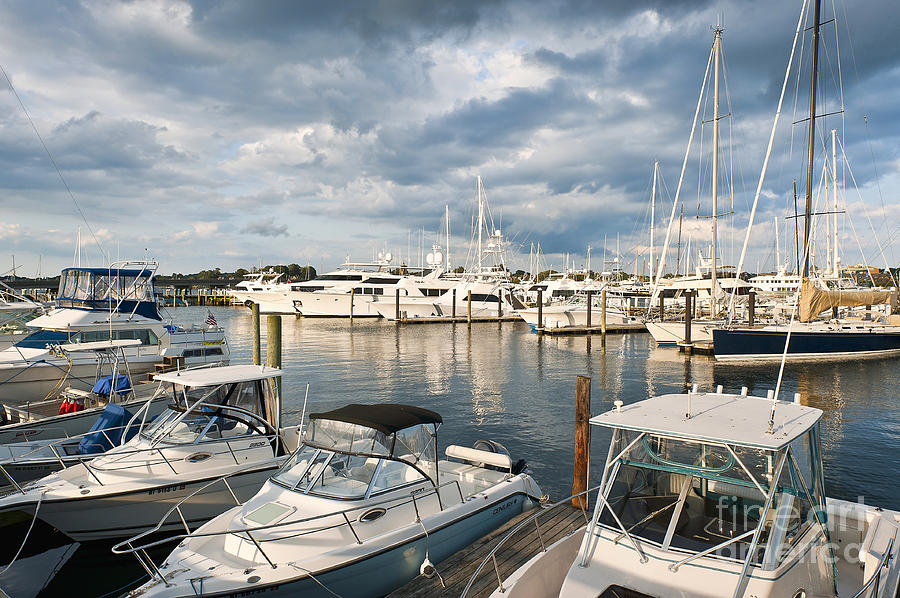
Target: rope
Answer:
pixel 37 508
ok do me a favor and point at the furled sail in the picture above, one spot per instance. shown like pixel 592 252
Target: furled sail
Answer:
pixel 814 300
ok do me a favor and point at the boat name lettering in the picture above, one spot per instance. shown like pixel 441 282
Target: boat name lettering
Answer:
pixel 503 507
pixel 165 489
pixel 255 592
pixel 258 444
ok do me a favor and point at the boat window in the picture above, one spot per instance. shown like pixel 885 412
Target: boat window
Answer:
pixel 377 280
pixel 483 298
pixel 346 476
pixel 349 277
pixel 41 338
pixel 393 474
pixel 294 469
pixel 720 500
pixel 347 438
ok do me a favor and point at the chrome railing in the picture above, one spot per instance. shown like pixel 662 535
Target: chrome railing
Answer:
pixel 876 577
pixel 140 551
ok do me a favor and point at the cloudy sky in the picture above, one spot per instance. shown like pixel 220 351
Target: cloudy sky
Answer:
pixel 234 133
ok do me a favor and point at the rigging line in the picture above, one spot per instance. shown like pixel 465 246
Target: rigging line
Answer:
pixel 866 212
pixel 52 161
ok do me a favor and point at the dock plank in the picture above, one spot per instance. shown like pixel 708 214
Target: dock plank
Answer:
pixel 555 524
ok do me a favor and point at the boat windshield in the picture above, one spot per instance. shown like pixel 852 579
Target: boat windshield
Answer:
pixel 694 496
pixel 213 419
pixel 312 470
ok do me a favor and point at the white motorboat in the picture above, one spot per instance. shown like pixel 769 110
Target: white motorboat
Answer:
pixel 362 507
pixel 705 495
pixel 101 304
pixel 73 411
pixel 488 299
pixel 263 288
pixel 574 313
pixel 669 333
pixel 221 421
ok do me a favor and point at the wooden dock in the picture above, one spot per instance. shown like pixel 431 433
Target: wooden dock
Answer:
pixel 555 523
pixel 610 329
pixel 459 319
pixel 698 348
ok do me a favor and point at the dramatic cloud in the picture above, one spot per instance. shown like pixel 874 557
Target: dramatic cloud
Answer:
pixel 206 132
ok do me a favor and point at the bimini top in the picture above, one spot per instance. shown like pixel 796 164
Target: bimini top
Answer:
pixel 227 374
pixel 387 418
pixel 726 418
pixel 102 289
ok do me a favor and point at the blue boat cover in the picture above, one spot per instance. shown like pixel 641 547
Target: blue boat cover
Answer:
pixel 113 416
pixel 103 386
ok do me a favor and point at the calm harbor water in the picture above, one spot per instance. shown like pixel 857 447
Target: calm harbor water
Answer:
pixel 501 382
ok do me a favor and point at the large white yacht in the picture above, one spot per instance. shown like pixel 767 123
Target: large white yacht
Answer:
pixel 101 304
pixel 263 288
pixel 705 495
pixel 355 287
pixel 362 507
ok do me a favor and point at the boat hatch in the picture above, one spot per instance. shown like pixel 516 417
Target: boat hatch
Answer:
pixel 361 450
pixel 268 514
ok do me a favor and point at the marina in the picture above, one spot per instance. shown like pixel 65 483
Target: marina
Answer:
pixel 470 300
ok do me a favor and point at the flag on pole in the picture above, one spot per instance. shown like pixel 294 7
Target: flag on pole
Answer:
pixel 211 319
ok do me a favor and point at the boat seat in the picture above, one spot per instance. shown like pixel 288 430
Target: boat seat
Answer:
pixel 478 457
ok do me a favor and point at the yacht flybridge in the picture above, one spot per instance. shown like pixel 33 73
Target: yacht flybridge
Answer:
pixel 705 495
pixel 362 507
pixel 221 422
pixel 101 304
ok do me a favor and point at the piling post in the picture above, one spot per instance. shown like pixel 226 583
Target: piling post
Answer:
pixel 588 321
pixel 540 322
pixel 582 440
pixel 254 317
pixel 469 306
pixel 453 309
pixel 499 303
pixel 273 346
pixel 603 312
pixel 751 308
pixel 397 305
pixel 662 307
pixel 688 312
pixel 351 304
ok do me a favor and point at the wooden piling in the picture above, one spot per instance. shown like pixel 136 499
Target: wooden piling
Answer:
pixel 588 322
pixel 582 439
pixel 751 308
pixel 603 312
pixel 453 309
pixel 499 303
pixel 397 305
pixel 273 345
pixel 540 322
pixel 351 304
pixel 688 312
pixel 469 307
pixel 254 317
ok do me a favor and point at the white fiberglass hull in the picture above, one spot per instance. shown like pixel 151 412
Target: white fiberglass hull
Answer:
pixel 672 333
pixel 270 302
pixel 558 316
pixel 336 305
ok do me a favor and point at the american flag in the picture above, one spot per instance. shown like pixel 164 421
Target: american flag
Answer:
pixel 210 319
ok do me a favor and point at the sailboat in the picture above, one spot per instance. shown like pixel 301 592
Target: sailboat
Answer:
pixel 812 339
pixel 711 287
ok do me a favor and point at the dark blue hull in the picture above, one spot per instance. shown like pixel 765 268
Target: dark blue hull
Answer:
pixel 756 344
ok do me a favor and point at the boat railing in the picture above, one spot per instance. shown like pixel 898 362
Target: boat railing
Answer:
pixel 874 582
pixel 579 500
pixel 140 550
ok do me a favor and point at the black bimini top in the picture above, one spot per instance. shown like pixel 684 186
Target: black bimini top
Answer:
pixel 387 418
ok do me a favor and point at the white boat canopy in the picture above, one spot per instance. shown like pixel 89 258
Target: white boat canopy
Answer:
pixel 101 345
pixel 712 417
pixel 230 374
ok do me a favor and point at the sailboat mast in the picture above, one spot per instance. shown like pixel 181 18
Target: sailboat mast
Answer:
pixel 652 211
pixel 812 138
pixel 834 229
pixel 480 221
pixel 447 217
pixel 715 172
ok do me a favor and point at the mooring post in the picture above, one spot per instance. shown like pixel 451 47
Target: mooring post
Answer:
pixel 688 312
pixel 582 440
pixel 453 309
pixel 751 308
pixel 603 312
pixel 588 321
pixel 499 303
pixel 254 317
pixel 273 346
pixel 540 323
pixel 351 304
pixel 397 305
pixel 469 306
pixel 662 307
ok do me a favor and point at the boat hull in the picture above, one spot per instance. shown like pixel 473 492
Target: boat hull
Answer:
pixel 270 302
pixel 758 344
pixel 381 571
pixel 672 333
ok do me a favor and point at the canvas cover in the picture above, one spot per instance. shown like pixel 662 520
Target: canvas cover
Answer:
pixel 814 300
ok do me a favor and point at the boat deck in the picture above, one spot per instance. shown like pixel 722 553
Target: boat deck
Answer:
pixel 554 524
